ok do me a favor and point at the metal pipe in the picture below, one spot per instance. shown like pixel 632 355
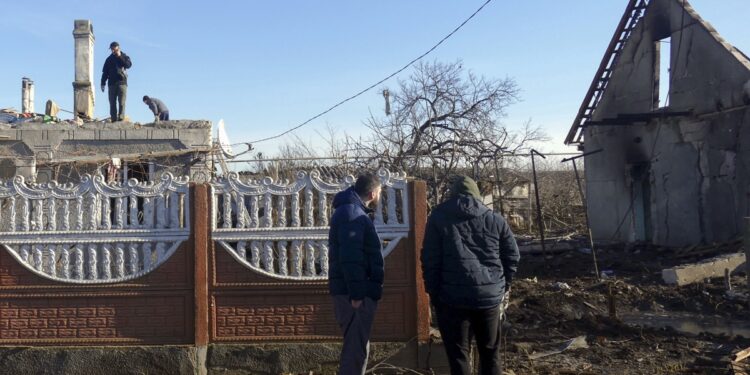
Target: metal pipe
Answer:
pixel 539 219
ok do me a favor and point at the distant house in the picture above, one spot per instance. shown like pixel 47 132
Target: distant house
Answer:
pixel 669 107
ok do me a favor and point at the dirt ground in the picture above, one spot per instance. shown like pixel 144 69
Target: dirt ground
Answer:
pixel 557 298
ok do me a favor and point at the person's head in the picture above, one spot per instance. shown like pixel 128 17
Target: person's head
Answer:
pixel 367 187
pixel 114 47
pixel 464 185
pixel 146 98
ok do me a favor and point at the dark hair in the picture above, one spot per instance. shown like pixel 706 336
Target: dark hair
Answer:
pixel 113 45
pixel 366 183
pixel 145 97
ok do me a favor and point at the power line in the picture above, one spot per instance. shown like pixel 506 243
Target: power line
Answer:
pixel 374 84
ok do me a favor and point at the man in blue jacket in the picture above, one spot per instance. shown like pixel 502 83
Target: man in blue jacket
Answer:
pixel 469 257
pixel 355 270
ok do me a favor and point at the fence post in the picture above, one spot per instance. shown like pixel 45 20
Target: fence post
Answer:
pixel 200 237
pixel 418 203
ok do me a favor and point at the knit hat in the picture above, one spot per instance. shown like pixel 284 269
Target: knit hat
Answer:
pixel 464 185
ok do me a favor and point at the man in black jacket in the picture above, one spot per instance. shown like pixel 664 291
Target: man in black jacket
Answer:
pixel 355 270
pixel 115 71
pixel 469 257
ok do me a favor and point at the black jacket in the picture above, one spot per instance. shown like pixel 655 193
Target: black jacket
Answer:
pixel 355 260
pixel 469 254
pixel 115 69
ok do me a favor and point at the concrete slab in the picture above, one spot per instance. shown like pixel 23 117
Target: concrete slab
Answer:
pixel 707 269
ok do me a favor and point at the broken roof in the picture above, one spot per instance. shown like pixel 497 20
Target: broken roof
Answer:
pixel 636 11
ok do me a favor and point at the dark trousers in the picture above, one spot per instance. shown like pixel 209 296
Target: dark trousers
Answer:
pixel 117 94
pixel 457 326
pixel 356 325
pixel 164 116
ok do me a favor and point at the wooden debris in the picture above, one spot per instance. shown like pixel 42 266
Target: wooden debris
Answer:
pixel 741 355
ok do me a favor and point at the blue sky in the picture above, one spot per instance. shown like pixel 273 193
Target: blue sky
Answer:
pixel 267 66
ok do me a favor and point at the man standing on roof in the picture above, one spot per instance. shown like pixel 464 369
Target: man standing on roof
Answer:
pixel 160 110
pixel 115 71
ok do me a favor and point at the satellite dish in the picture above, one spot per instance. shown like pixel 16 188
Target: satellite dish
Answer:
pixel 223 140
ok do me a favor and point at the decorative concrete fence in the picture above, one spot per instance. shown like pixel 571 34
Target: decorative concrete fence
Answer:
pixel 280 229
pixel 137 263
pixel 93 232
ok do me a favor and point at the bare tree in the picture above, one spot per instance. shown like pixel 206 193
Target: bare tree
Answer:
pixel 445 120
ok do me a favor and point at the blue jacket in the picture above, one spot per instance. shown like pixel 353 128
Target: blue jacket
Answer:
pixel 469 254
pixel 355 258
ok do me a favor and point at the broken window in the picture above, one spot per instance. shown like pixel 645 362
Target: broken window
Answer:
pixel 662 72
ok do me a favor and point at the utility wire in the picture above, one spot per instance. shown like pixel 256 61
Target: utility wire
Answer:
pixel 374 84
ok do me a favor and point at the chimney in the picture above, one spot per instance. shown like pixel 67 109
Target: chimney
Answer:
pixel 27 95
pixel 83 86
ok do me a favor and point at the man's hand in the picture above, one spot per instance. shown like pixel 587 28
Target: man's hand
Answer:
pixel 356 303
pixel 102 88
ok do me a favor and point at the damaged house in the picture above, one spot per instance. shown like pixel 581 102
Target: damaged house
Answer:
pixel 44 148
pixel 670 109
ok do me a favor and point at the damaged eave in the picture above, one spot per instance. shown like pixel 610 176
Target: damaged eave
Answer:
pixel 632 118
pixel 97 159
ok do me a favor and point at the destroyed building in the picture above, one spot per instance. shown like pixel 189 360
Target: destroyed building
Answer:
pixel 43 147
pixel 669 108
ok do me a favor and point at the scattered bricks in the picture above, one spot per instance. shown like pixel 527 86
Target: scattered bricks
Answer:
pixel 265 331
pixel 77 322
pixel 264 311
pixel 295 319
pixel 87 332
pixel 234 321
pixel 4 324
pixel 27 313
pixel 48 313
pixel 105 311
pixel 245 331
pixel 707 269
pixel 285 310
pixel 285 330
pixel 275 320
pixel 97 322
pixel 67 312
pixel 64 333
pixel 47 333
pixel 19 323
pixel 38 323
pixel 222 321
pixel 308 309
pixel 255 320
pixel 87 312
pixel 8 313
